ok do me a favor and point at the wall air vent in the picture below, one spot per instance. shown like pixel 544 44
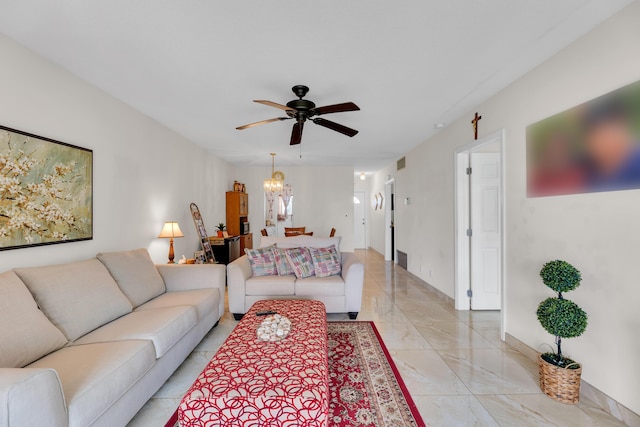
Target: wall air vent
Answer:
pixel 402 163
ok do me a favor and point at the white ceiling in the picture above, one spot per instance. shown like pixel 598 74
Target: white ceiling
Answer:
pixel 196 65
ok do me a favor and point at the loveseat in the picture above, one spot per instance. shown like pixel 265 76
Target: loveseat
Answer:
pixel 88 343
pixel 341 293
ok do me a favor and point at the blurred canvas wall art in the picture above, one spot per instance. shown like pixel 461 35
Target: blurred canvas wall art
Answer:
pixel 592 147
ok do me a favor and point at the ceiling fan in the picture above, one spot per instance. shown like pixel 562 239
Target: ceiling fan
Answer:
pixel 303 109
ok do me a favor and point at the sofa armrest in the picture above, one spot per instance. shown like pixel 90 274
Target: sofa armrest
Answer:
pixel 238 272
pixel 31 397
pixel 186 277
pixel 353 276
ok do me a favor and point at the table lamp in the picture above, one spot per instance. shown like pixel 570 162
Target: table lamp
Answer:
pixel 170 230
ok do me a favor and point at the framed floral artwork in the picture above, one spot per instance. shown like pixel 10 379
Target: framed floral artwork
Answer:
pixel 47 191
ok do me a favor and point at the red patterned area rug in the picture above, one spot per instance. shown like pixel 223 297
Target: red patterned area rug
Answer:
pixel 365 386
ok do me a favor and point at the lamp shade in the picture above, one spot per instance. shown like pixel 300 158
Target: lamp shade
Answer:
pixel 171 230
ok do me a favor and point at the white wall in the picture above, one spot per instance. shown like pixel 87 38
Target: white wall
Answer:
pixel 598 233
pixel 144 174
pixel 322 198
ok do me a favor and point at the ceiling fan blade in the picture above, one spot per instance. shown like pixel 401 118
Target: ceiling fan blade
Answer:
pixel 335 126
pixel 273 104
pixel 262 122
pixel 296 133
pixel 336 108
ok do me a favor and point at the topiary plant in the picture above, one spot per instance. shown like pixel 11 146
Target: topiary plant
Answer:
pixel 558 316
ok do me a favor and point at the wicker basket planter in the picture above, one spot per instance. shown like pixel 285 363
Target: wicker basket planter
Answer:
pixel 558 383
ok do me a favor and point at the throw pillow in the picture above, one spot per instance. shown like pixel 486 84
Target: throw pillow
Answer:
pixel 135 273
pixel 326 261
pixel 27 334
pixel 282 263
pixel 300 261
pixel 77 297
pixel 262 262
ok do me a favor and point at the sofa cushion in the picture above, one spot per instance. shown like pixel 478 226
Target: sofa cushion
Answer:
pixel 76 297
pixel 326 261
pixel 94 376
pixel 270 285
pixel 27 334
pixel 163 326
pixel 135 274
pixel 320 286
pixel 301 262
pixel 301 241
pixel 206 301
pixel 282 263
pixel 262 262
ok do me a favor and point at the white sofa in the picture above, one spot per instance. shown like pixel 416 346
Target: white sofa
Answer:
pixel 88 343
pixel 340 294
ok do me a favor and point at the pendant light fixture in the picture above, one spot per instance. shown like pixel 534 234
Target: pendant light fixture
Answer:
pixel 275 184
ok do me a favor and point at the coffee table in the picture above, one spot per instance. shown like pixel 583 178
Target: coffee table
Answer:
pixel 256 383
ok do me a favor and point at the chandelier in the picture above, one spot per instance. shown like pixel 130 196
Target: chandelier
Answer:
pixel 275 184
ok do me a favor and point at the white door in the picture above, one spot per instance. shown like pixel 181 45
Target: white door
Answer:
pixel 485 227
pixel 359 220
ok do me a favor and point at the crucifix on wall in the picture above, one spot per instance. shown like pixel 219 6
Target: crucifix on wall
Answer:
pixel 474 122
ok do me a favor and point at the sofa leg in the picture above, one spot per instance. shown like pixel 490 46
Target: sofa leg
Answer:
pixel 238 316
pixel 353 315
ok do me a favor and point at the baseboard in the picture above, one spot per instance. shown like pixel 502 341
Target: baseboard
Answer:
pixel 441 295
pixel 608 404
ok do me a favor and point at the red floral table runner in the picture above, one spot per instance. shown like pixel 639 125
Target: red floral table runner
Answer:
pixel 256 383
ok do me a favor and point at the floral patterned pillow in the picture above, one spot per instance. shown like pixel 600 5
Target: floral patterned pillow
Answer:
pixel 300 261
pixel 326 261
pixel 282 263
pixel 262 261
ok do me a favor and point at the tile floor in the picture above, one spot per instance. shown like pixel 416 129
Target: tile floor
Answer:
pixel 456 367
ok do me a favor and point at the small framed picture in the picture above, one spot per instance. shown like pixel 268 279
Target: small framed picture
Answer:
pixel 199 256
pixel 225 234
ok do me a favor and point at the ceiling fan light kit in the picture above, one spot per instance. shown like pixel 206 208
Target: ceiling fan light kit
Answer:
pixel 302 109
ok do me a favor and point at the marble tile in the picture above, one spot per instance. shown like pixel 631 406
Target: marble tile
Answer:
pixel 595 411
pixel 383 314
pixel 178 384
pixel 426 313
pixel 491 371
pixel 539 410
pixel 452 335
pixel 425 373
pixel 489 331
pixel 156 412
pixel 458 411
pixel 401 336
pixel 471 316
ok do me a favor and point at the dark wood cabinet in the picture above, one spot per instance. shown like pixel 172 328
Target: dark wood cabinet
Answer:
pixel 246 241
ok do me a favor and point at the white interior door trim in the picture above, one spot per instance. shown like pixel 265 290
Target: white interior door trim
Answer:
pixel 389 189
pixel 461 197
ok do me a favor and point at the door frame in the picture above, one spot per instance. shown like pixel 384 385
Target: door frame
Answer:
pixel 389 189
pixel 366 216
pixel 461 197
